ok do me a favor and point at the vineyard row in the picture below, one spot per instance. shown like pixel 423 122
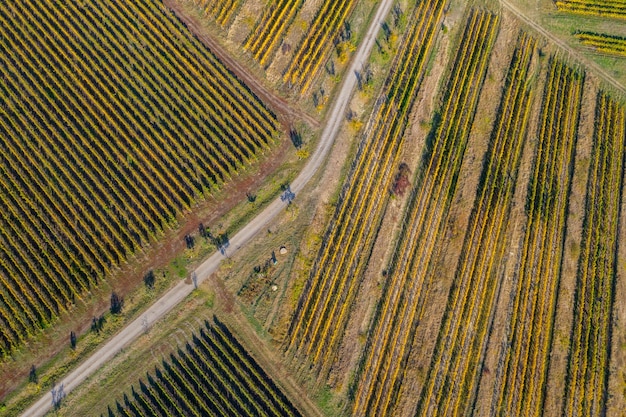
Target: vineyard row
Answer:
pixel 586 390
pixel 214 375
pixel 271 28
pixel 605 8
pixel 521 390
pixel 316 44
pixel 339 267
pixel 608 44
pixel 387 346
pixel 115 120
pixel 223 11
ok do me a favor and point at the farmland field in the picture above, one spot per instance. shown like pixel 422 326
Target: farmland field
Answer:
pixel 588 366
pixel 532 319
pixel 330 289
pixel 610 8
pixel 425 216
pixel 603 43
pixel 387 348
pixel 315 46
pixel 105 143
pixel 212 374
pixel 269 30
pixel 223 11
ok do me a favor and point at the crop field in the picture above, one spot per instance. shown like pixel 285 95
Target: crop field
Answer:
pixel 316 45
pixel 418 206
pixel 588 365
pixel 395 323
pixel 270 29
pixel 532 320
pixel 600 42
pixel 212 375
pixel 454 370
pixel 105 142
pixel 336 274
pixel 223 11
pixel 604 8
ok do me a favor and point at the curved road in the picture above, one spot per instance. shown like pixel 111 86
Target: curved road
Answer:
pixel 160 308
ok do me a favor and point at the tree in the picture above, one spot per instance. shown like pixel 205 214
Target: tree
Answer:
pixel 117 303
pixel 32 375
pixel 189 241
pixel 97 323
pixel 149 279
pixel 296 138
pixel 203 231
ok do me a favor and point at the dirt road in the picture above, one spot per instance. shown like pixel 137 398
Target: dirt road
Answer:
pixel 160 308
pixel 284 111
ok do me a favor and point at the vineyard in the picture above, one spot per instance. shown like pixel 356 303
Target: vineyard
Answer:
pixel 223 11
pixel 454 371
pixel 271 28
pixel 604 8
pixel 394 325
pixel 212 376
pixel 608 44
pixel 322 314
pixel 522 388
pixel 417 206
pixel 315 46
pixel 588 366
pixel 115 120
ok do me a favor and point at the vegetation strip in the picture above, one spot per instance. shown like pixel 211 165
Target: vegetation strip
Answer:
pixel 387 347
pixel 339 267
pixel 520 389
pixel 586 391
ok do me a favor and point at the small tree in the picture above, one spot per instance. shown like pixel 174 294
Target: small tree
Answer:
pixel 296 138
pixel 203 231
pixel 97 323
pixel 32 375
pixel 149 279
pixel 117 303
